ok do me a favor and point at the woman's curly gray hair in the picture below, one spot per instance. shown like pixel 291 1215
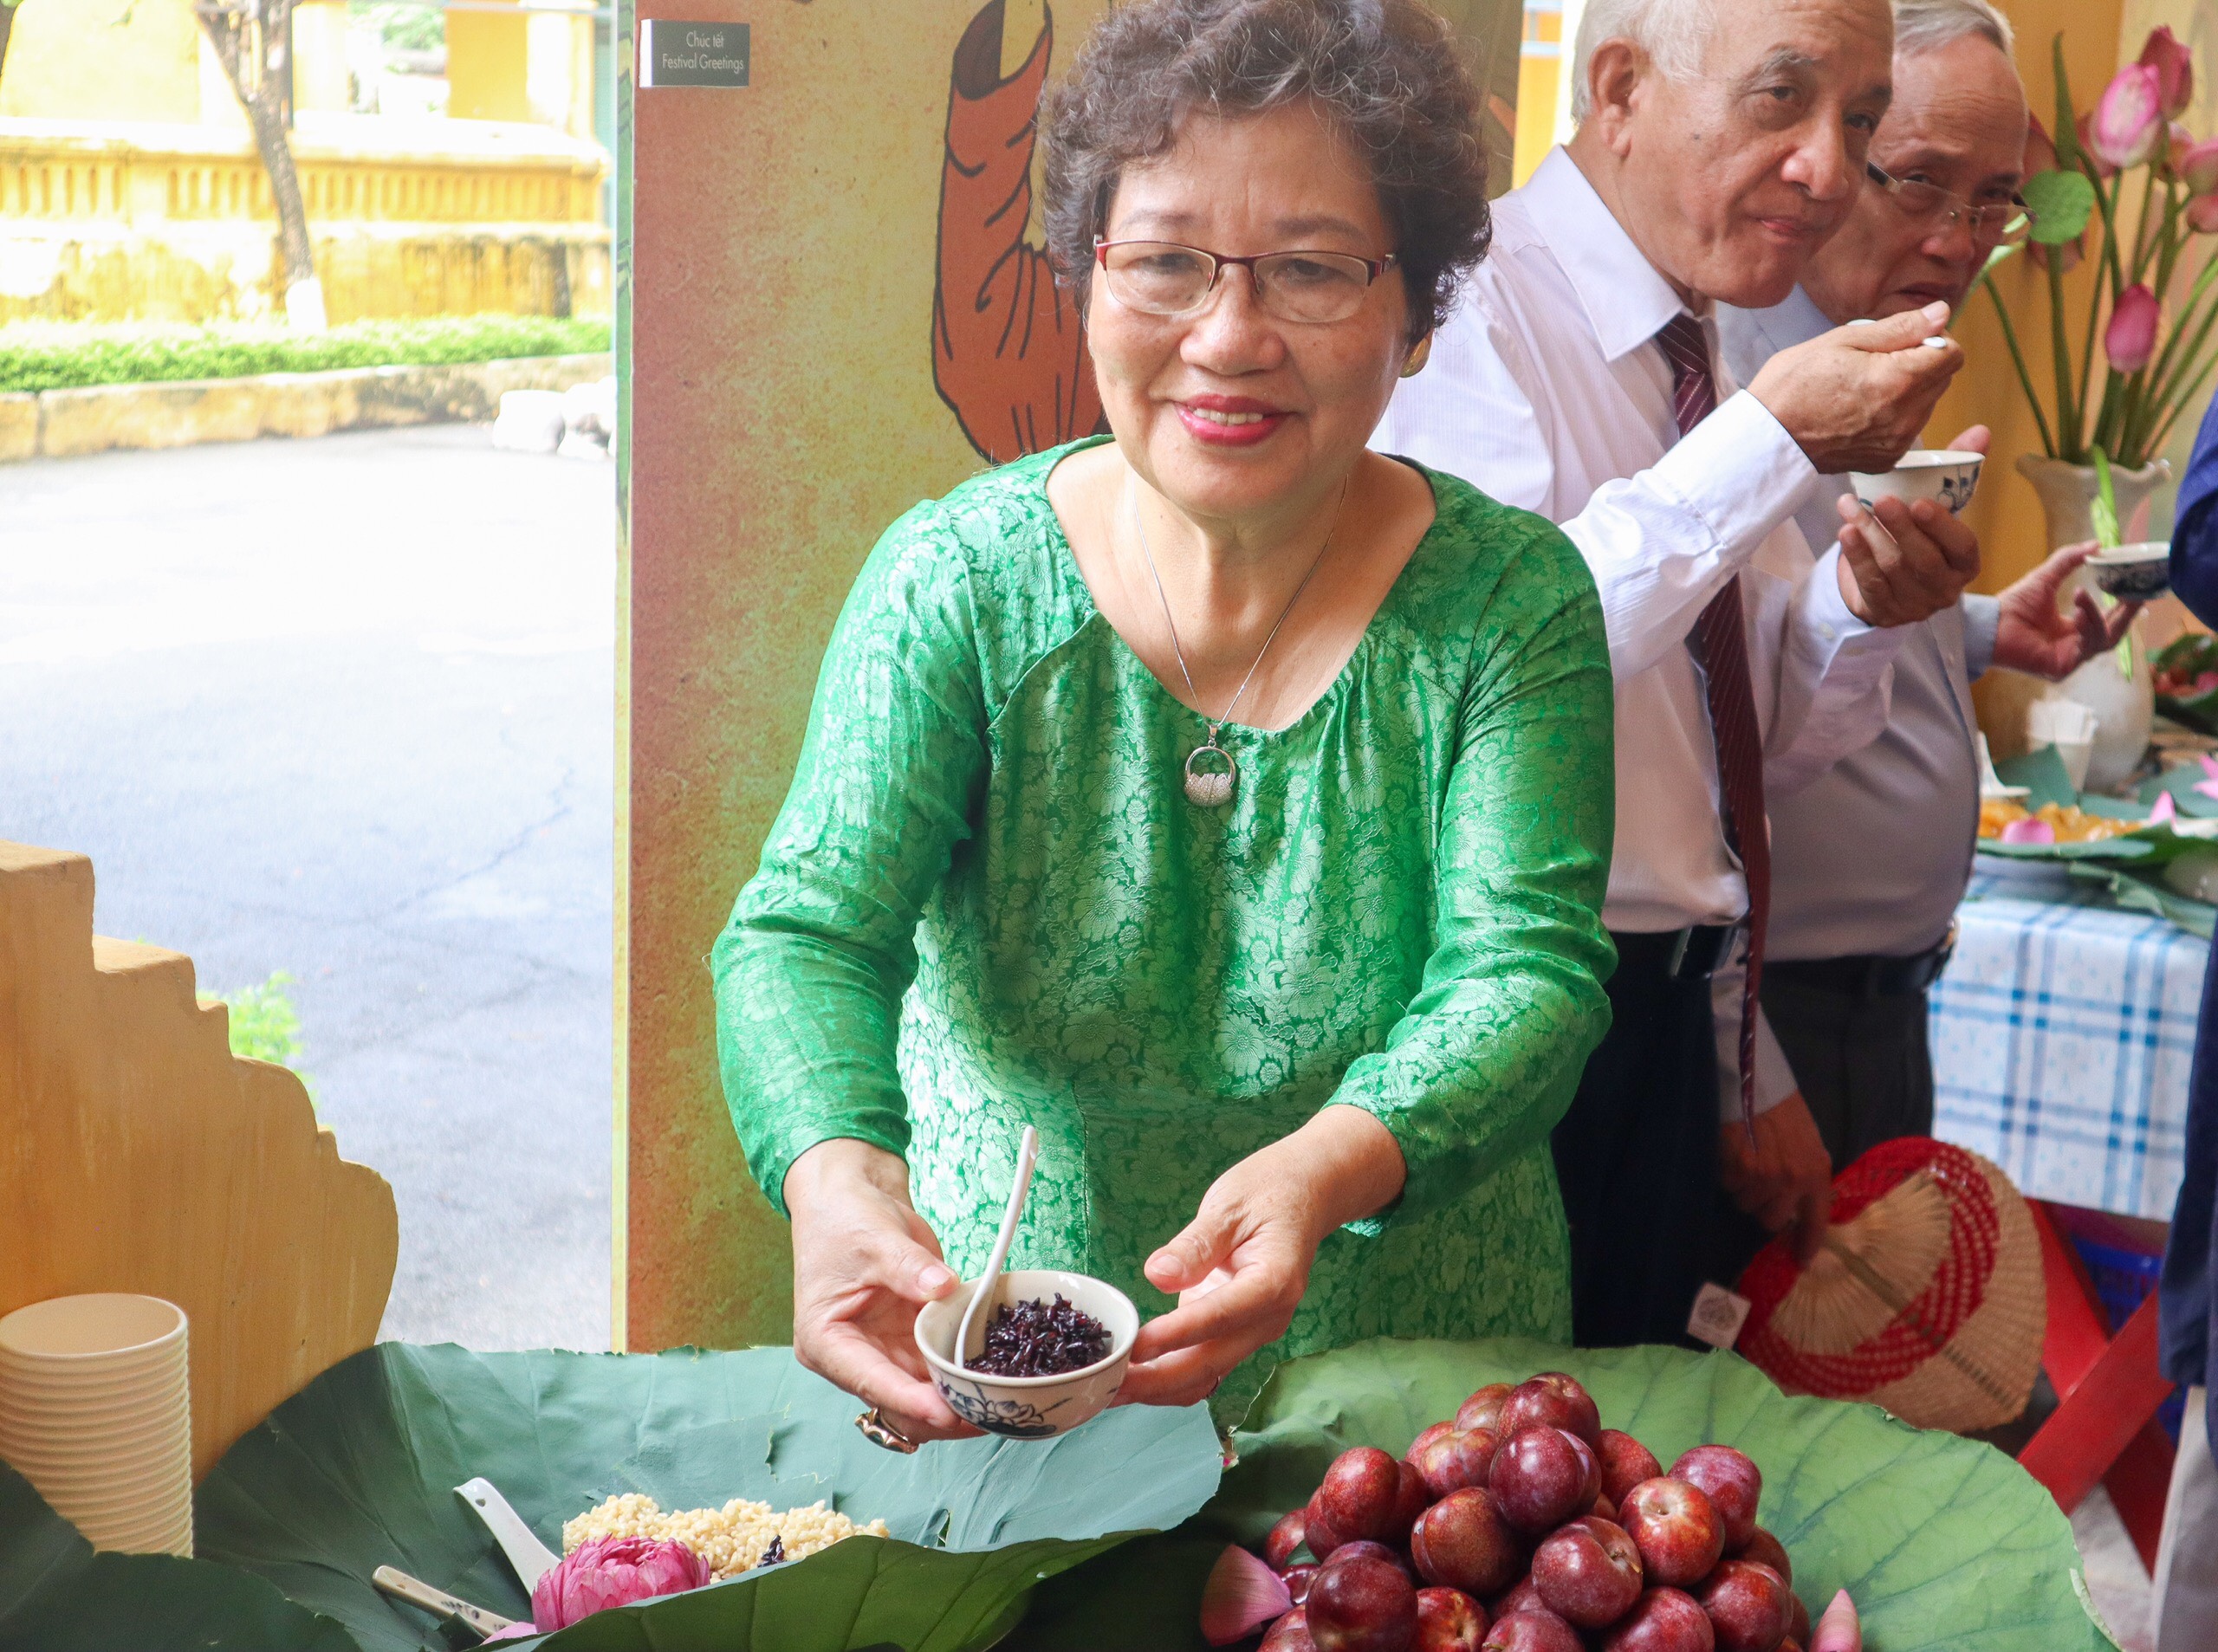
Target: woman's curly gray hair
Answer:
pixel 1385 73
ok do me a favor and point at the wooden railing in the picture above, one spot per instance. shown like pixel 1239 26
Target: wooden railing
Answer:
pixel 136 174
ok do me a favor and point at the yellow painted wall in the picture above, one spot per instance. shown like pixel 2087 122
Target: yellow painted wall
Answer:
pixel 103 60
pixel 320 77
pixel 1538 68
pixel 488 56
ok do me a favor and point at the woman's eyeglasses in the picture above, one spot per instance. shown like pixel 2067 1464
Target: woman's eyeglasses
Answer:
pixel 1161 278
pixel 1996 223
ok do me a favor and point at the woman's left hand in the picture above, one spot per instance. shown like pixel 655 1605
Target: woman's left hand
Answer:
pixel 1239 1268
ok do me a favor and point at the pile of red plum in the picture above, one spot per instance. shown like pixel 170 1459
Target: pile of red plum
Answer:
pixel 1522 1525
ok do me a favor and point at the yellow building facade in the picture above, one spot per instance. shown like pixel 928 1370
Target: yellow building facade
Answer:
pixel 130 187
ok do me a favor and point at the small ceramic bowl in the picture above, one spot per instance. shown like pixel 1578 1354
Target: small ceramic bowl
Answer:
pixel 1029 1408
pixel 2134 572
pixel 1943 475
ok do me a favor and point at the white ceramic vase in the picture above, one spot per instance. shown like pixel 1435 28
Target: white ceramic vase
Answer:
pixel 2125 706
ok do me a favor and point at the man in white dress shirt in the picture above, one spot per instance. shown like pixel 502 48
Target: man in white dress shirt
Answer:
pixel 1870 860
pixel 1720 142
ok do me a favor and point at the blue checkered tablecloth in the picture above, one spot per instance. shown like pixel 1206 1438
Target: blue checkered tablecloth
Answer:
pixel 2062 1033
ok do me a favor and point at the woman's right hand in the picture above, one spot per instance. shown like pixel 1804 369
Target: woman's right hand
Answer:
pixel 864 1263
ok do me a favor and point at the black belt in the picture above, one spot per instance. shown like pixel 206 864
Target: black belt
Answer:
pixel 1869 976
pixel 1676 955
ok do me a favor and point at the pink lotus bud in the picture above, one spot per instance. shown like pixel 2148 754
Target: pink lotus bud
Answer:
pixel 2029 830
pixel 2202 215
pixel 2130 341
pixel 2175 70
pixel 2177 144
pixel 2103 168
pixel 2197 166
pixel 1838 1629
pixel 2127 126
pixel 612 1571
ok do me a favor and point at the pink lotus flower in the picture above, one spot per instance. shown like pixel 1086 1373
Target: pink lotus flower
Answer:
pixel 2127 126
pixel 2103 168
pixel 2174 65
pixel 2029 830
pixel 2202 214
pixel 2167 808
pixel 2196 166
pixel 1242 1595
pixel 612 1571
pixel 2130 341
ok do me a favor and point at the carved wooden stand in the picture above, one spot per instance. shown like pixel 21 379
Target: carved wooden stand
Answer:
pixel 138 1154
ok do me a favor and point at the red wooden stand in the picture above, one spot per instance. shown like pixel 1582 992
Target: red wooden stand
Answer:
pixel 2108 1388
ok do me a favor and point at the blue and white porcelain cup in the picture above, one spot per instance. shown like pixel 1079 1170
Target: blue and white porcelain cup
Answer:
pixel 1944 474
pixel 1028 1407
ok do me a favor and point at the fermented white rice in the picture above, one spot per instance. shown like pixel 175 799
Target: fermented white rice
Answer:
pixel 731 1539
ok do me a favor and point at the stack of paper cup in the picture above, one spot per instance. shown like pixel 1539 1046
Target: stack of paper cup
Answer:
pixel 95 1412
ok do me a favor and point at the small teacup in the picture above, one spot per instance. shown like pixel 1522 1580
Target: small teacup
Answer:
pixel 2133 573
pixel 1943 475
pixel 1029 1408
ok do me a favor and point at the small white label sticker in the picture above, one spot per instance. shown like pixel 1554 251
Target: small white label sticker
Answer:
pixel 1718 1315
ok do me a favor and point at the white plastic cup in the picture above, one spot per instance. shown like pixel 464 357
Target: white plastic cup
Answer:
pixel 96 1412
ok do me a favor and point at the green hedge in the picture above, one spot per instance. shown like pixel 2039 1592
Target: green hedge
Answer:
pixel 61 355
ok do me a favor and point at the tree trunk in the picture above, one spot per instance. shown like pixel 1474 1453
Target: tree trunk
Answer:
pixel 268 123
pixel 251 40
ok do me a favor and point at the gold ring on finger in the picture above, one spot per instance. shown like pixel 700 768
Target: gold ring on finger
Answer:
pixel 875 1429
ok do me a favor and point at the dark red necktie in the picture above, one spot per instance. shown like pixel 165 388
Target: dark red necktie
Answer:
pixel 1720 647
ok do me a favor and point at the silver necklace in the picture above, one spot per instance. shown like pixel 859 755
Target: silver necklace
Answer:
pixel 1211 787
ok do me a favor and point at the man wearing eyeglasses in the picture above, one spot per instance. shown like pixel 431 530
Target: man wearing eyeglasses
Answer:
pixel 1870 861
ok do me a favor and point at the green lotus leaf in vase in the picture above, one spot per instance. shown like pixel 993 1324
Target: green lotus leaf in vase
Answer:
pixel 2062 203
pixel 1943 1542
pixel 357 1471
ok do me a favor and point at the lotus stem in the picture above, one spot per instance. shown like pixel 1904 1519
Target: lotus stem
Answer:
pixel 2018 357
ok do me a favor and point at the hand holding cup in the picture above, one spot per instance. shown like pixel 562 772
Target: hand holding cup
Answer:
pixel 1856 399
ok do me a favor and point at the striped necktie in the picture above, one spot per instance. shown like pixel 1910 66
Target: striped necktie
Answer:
pixel 1720 648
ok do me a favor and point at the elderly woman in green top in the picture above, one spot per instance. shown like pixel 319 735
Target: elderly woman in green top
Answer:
pixel 1229 801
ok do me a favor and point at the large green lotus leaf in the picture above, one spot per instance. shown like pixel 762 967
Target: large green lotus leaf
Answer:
pixel 1941 1541
pixel 357 1471
pixel 56 1595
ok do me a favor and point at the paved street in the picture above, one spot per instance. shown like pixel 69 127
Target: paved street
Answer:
pixel 344 708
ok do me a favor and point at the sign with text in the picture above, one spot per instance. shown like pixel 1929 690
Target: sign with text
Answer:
pixel 691 53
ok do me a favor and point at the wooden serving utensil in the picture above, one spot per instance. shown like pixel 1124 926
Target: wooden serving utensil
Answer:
pixel 391 1580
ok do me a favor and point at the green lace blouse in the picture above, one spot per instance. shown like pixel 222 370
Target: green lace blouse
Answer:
pixel 988 901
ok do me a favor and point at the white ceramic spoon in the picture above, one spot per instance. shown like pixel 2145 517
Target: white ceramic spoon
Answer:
pixel 1027 1155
